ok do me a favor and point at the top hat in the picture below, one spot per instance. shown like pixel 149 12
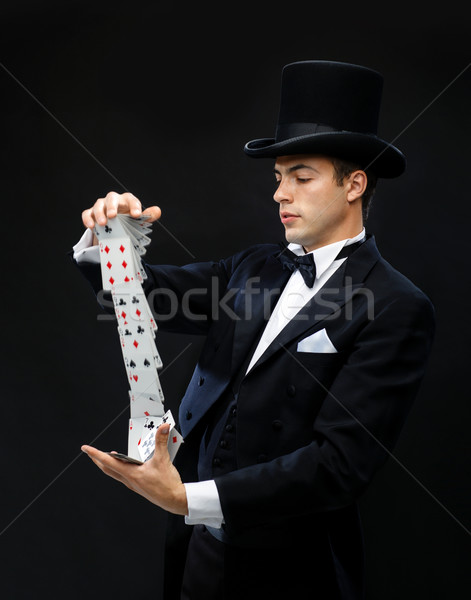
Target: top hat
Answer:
pixel 331 108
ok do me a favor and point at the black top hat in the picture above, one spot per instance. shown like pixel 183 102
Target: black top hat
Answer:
pixel 331 108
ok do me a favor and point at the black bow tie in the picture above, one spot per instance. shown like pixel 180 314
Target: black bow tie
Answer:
pixel 305 263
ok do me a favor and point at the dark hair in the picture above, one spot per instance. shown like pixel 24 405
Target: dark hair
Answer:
pixel 343 168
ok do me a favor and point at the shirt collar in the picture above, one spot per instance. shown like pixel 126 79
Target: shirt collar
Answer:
pixel 325 256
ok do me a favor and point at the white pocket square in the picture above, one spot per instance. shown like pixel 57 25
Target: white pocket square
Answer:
pixel 317 342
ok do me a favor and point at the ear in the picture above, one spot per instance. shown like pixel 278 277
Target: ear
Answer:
pixel 356 185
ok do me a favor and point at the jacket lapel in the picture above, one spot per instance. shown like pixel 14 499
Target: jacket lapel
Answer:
pixel 335 293
pixel 254 305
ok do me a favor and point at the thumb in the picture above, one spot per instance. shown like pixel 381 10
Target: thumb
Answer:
pixel 154 213
pixel 161 437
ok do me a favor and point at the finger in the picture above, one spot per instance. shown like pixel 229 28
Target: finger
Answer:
pixel 110 466
pixel 104 458
pixel 93 453
pixel 154 213
pixel 128 203
pixel 111 204
pixel 98 212
pixel 87 218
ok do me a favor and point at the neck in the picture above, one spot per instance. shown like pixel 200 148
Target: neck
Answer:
pixel 340 235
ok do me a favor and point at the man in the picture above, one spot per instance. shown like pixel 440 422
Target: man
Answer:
pixel 310 365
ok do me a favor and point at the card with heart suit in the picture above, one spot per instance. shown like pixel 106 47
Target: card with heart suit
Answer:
pixel 143 381
pixel 123 243
pixel 135 428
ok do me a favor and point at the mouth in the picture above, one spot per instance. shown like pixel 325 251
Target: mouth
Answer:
pixel 287 217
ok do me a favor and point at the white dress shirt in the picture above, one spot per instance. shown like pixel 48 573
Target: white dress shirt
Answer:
pixel 204 506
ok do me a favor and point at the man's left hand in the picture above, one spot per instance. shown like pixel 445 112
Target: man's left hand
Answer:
pixel 157 479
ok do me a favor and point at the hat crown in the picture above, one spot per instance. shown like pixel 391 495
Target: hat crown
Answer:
pixel 341 96
pixel 331 108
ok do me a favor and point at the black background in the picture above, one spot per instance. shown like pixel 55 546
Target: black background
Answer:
pixel 164 96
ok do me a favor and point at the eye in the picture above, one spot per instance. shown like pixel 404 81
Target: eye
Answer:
pixel 303 179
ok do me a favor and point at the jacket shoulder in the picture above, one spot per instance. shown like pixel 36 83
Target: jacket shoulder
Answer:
pixel 398 287
pixel 257 253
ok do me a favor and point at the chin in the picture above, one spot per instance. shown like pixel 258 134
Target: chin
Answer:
pixel 293 238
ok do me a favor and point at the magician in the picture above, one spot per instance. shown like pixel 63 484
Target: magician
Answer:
pixel 308 371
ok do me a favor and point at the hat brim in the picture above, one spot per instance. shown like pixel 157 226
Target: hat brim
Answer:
pixel 370 152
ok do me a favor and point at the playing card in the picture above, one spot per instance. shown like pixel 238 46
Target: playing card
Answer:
pixel 142 360
pixel 137 230
pixel 145 382
pixel 135 428
pixel 122 243
pixel 175 440
pixel 141 437
pixel 134 329
pixel 147 444
pixel 117 263
pixel 120 228
pixel 131 305
pixel 145 405
pixel 151 424
pixel 125 458
pixel 138 238
pixel 138 348
pixel 140 223
pixel 147 447
pixel 115 228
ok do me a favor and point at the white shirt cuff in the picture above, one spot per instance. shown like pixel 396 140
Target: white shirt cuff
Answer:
pixel 204 507
pixel 84 251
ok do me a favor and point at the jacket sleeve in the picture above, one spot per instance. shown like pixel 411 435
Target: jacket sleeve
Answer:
pixel 185 299
pixel 354 432
pixel 181 298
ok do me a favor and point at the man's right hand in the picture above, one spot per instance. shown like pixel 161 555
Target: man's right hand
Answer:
pixel 112 204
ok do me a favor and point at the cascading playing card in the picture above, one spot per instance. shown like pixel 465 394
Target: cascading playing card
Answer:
pixel 131 305
pixel 123 242
pixel 145 405
pixel 143 381
pixel 146 446
pixel 118 265
pixel 138 347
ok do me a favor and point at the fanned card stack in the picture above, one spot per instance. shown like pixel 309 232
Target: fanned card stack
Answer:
pixel 122 242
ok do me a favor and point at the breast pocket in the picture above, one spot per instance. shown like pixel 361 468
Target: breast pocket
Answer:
pixel 320 358
pixel 313 371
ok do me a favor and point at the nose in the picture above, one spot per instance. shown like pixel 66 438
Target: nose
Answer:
pixel 282 193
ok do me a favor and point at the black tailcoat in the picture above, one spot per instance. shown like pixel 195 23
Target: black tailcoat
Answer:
pixel 312 428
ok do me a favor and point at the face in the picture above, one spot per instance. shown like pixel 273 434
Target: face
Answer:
pixel 314 210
